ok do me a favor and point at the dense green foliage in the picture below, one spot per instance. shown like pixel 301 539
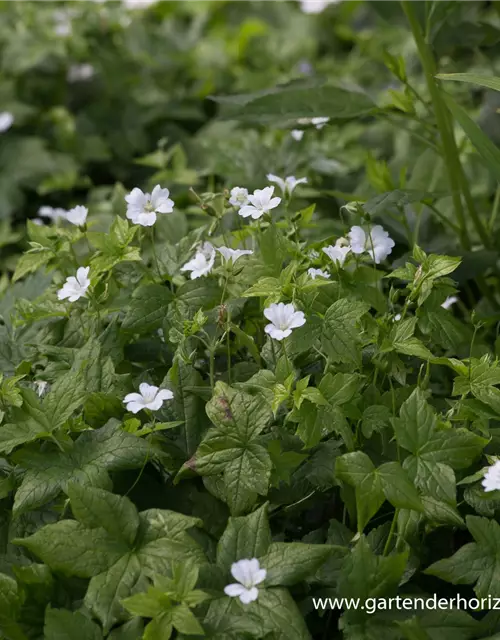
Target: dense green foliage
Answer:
pixel 345 444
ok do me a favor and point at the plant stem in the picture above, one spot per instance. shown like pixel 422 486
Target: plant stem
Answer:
pixel 391 532
pixel 155 257
pixel 494 213
pixel 458 183
pixel 212 366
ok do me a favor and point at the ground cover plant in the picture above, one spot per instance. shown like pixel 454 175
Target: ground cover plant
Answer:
pixel 256 376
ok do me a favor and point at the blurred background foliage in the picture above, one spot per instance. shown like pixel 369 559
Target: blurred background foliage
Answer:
pixel 109 92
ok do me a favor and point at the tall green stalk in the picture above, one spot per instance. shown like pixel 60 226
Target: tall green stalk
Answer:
pixel 456 176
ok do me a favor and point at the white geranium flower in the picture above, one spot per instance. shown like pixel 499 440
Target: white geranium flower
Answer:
pixel 142 208
pixel 314 273
pixel 261 202
pixel 150 397
pixel 450 300
pixel 75 288
pixel 6 121
pixel 62 23
pixel 376 242
pixel 52 213
pixel 41 387
pixel 78 215
pixel 283 319
pixel 238 197
pixel 297 134
pixel 248 574
pixel 287 185
pixel 80 72
pixel 233 254
pixel 202 263
pixel 316 6
pixel 337 253
pixel 491 480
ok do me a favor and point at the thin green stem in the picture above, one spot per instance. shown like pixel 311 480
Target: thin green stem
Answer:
pixel 494 212
pixel 155 257
pixel 456 176
pixel 391 532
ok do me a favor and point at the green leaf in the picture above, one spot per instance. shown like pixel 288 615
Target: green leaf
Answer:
pixel 340 337
pixel 11 599
pixel 72 548
pixel 276 613
pixel 397 488
pixel 148 308
pixel 244 537
pixel 97 508
pixel 199 294
pixel 357 470
pixel 490 82
pixel 187 406
pixel 30 262
pixel 340 388
pixel 483 144
pixel 366 575
pixel 416 423
pixel 477 562
pixel 184 620
pixel 413 347
pixel 290 102
pixel 289 563
pixel 231 447
pixel 148 604
pixel 107 589
pixel 92 456
pixel 87 374
pixel 61 624
pixel 159 628
pixel 238 412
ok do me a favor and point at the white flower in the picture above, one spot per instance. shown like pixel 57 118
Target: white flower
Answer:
pixel 202 263
pixel 62 26
pixel 319 123
pixel 314 273
pixel 491 480
pixel 287 185
pixel 248 574
pixel 377 242
pixel 150 397
pixel 138 4
pixel 315 6
pixel 337 253
pixel 41 386
pixel 397 317
pixel 283 319
pixel 143 207
pixel 53 213
pixel 75 288
pixel 233 254
pixel 297 134
pixel 450 300
pixel 261 202
pixel 77 215
pixel 6 121
pixel 80 72
pixel 37 221
pixel 238 197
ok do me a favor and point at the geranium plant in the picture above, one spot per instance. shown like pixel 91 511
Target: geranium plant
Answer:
pixel 201 438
